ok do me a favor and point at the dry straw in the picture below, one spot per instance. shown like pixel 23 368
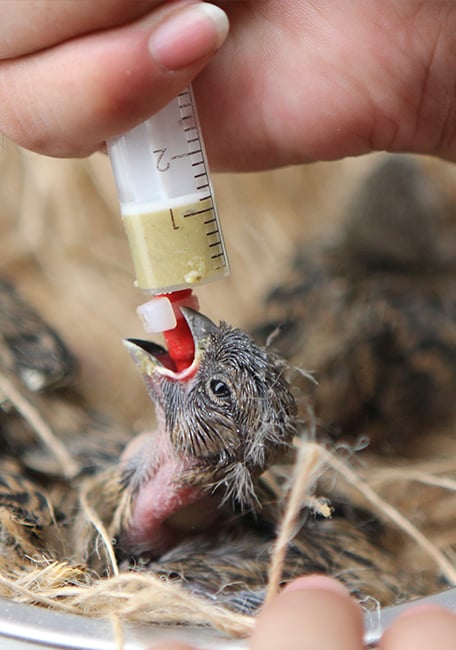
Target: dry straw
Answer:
pixel 149 599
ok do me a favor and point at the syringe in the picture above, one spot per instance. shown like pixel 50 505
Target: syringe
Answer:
pixel 168 210
pixel 167 200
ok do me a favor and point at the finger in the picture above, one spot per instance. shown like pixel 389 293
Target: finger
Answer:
pixel 68 100
pixel 316 612
pixel 171 646
pixel 33 25
pixel 421 630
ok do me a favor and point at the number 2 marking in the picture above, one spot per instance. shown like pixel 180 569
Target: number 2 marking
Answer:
pixel 160 164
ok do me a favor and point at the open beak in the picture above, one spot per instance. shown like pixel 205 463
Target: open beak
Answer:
pixel 153 359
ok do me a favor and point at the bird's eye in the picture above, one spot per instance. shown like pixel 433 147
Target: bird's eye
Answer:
pixel 219 388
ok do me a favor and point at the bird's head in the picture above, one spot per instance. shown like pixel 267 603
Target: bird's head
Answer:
pixel 221 422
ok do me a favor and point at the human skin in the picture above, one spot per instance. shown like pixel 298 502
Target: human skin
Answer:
pixel 316 613
pixel 296 80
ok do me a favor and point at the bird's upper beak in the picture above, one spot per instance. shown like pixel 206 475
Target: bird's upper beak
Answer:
pixel 153 359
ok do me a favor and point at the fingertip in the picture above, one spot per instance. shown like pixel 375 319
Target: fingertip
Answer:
pixel 419 610
pixel 316 581
pixel 421 628
pixel 171 646
pixel 314 611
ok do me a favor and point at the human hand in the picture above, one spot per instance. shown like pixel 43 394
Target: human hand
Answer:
pixel 304 80
pixel 297 80
pixel 317 612
pixel 74 74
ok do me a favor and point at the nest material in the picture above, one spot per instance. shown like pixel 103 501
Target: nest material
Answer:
pixel 51 209
pixel 145 598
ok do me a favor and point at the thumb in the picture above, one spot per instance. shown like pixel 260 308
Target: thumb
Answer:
pixel 69 99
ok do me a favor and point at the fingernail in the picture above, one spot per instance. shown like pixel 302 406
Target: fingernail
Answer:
pixel 320 582
pixel 188 34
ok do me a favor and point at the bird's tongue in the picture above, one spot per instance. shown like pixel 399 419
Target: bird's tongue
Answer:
pixel 179 340
pixel 181 346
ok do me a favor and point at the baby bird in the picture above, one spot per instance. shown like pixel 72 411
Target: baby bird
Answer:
pixel 220 423
pixel 29 346
pixel 373 312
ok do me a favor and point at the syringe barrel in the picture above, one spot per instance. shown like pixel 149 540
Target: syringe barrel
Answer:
pixel 167 201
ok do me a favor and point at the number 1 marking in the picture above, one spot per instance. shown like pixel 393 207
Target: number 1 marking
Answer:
pixel 173 220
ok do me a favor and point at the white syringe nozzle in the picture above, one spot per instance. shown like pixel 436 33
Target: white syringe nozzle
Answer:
pixel 157 315
pixel 160 314
pixel 167 200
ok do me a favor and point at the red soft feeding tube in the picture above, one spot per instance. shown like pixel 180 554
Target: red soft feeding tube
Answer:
pixel 179 341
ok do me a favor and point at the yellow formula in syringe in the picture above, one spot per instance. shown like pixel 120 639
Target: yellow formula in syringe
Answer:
pixel 167 201
pixel 176 246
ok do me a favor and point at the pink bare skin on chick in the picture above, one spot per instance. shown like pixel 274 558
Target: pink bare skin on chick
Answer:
pixel 155 525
